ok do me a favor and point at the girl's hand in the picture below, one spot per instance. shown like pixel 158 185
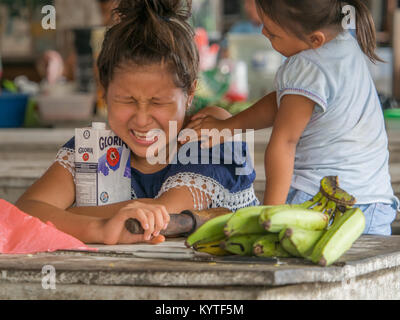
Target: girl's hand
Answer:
pixel 153 219
pixel 208 129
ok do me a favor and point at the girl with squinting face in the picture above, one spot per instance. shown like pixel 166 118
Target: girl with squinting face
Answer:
pixel 141 101
pixel 148 67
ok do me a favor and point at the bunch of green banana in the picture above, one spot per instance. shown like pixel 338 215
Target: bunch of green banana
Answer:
pixel 320 230
pixel 269 246
pixel 339 238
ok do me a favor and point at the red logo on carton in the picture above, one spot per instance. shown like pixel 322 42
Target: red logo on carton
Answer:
pixel 113 157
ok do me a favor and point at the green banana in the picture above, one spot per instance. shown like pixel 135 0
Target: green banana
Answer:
pixel 241 245
pixel 330 208
pixel 288 246
pixel 339 238
pixel 329 185
pixel 299 242
pixel 212 230
pixel 269 246
pixel 337 215
pixel 276 220
pixel 312 202
pixel 330 189
pixel 245 221
pixel 320 206
pixel 212 248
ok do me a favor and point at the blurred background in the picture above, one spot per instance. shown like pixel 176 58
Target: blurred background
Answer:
pixel 49 83
pixel 48 76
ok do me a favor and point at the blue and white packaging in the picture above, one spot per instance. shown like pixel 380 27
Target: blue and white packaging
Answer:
pixel 102 167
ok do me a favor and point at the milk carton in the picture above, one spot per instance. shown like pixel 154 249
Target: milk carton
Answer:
pixel 102 167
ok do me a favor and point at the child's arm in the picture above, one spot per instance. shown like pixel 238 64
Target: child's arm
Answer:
pixel 51 198
pixel 292 118
pixel 215 112
pixel 261 115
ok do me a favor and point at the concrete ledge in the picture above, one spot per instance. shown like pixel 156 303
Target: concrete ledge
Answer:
pixel 383 285
pixel 368 255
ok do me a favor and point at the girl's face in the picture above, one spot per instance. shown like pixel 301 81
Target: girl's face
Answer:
pixel 143 100
pixel 285 43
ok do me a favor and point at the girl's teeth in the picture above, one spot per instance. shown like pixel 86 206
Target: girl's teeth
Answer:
pixel 148 137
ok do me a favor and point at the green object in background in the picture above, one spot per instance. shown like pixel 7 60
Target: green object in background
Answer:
pixel 213 85
pixel 31 115
pixel 392 113
pixel 9 86
pixel 238 107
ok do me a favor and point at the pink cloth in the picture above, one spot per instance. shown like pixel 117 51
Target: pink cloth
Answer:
pixel 24 234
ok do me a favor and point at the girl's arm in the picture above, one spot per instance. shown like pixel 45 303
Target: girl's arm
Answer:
pixel 260 116
pixel 51 198
pixel 292 118
pixel 216 112
pixel 48 198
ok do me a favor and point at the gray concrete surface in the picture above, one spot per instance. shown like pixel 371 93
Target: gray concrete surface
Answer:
pixel 369 270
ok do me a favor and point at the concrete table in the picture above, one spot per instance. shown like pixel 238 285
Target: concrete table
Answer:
pixel 369 270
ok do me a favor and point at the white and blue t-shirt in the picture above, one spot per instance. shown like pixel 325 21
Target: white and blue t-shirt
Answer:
pixel 346 136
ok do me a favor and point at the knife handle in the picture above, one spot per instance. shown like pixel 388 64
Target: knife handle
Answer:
pixel 182 224
pixel 179 225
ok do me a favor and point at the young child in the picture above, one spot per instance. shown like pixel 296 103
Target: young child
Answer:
pixel 326 116
pixel 148 67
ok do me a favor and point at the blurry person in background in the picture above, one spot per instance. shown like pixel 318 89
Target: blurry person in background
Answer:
pixel 51 65
pixel 251 25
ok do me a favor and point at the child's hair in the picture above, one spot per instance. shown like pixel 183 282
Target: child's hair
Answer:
pixel 311 15
pixel 151 32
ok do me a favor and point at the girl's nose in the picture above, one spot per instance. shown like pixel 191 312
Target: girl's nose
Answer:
pixel 142 118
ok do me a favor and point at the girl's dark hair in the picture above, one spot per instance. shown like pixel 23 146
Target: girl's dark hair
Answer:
pixel 311 15
pixel 150 32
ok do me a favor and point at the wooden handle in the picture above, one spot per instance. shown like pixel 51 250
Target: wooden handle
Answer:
pixel 180 224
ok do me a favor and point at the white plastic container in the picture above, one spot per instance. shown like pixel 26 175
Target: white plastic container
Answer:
pixel 77 106
pixel 262 61
pixel 102 167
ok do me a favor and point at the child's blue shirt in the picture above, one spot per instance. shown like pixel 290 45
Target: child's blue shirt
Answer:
pixel 346 136
pixel 219 177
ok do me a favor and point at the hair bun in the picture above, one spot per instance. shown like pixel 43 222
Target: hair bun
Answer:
pixel 180 9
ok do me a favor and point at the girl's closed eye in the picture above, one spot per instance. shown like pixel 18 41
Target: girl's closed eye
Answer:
pixel 160 102
pixel 125 100
pixel 270 35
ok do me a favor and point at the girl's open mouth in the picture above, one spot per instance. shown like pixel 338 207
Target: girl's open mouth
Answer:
pixel 145 138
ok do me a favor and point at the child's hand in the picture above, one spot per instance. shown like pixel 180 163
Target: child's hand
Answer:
pixel 153 219
pixel 208 129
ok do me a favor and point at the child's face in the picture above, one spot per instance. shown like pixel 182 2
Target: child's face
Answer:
pixel 285 43
pixel 142 99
